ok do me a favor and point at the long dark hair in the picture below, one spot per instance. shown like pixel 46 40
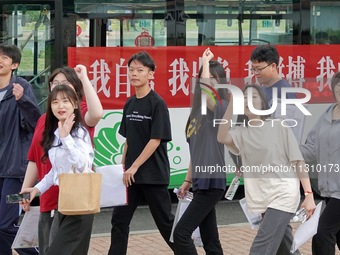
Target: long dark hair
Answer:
pixel 217 72
pixel 71 77
pixel 51 122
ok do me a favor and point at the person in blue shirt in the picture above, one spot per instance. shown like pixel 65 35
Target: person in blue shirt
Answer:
pixel 265 62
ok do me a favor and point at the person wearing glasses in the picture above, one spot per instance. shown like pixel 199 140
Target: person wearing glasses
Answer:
pixel 273 170
pixel 92 111
pixel 265 62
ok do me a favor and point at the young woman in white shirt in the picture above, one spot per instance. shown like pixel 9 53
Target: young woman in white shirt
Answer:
pixel 66 142
pixel 273 169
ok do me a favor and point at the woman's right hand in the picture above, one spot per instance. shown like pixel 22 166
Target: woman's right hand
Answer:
pixel 65 128
pixel 25 203
pixel 183 190
pixel 207 55
pixel 81 71
pixel 238 172
pixel 309 205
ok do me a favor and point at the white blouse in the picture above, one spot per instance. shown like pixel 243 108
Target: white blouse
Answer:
pixel 74 151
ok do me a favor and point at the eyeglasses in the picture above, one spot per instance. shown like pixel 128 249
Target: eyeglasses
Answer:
pixel 258 70
pixel 57 83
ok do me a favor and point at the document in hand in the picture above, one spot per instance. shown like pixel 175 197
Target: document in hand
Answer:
pixel 181 207
pixel 307 229
pixel 113 192
pixel 27 235
pixel 254 219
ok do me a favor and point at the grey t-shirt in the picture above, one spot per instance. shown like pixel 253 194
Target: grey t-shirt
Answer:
pixel 207 154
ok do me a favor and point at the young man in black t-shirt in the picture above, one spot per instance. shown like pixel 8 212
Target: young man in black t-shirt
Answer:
pixel 146 127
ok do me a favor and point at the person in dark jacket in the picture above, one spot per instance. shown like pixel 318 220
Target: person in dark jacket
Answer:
pixel 19 113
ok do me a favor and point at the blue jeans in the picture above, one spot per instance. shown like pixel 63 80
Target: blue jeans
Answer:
pixel 200 213
pixel 274 235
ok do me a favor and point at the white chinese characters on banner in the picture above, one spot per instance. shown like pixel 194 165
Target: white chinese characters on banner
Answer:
pixel 181 68
pixel 101 78
pixel 296 71
pixel 226 68
pixel 181 73
pixel 326 72
pixel 122 81
pixel 100 71
pixel 280 67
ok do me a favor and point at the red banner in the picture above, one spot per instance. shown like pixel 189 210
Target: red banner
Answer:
pixel 308 66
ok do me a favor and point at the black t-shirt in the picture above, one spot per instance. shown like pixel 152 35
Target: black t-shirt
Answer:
pixel 144 119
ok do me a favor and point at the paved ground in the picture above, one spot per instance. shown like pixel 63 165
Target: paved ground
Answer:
pixel 236 240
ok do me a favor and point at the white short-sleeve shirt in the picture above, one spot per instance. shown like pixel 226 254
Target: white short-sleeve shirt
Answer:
pixel 269 154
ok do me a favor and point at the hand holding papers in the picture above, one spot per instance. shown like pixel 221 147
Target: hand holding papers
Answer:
pixel 27 235
pixel 114 192
pixel 307 229
pixel 254 219
pixel 181 207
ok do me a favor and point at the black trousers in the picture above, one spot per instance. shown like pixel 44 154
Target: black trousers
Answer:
pixel 200 213
pixel 158 199
pixel 328 234
pixel 73 235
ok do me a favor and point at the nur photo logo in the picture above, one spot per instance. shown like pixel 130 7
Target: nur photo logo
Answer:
pixel 238 100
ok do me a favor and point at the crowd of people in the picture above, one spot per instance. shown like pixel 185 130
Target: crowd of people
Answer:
pixel 36 148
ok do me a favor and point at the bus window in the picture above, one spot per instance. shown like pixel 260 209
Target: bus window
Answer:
pixel 268 24
pixel 29 27
pixel 324 30
pixel 238 23
pixel 83 32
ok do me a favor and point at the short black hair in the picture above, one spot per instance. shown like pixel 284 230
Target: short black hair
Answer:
pixel 265 53
pixel 11 51
pixel 144 58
